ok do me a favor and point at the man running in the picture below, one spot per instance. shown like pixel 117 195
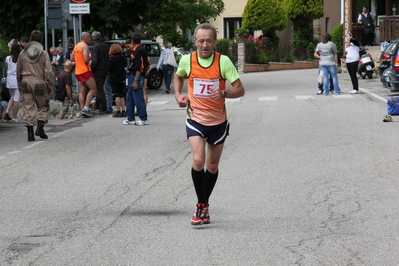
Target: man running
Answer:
pixel 207 126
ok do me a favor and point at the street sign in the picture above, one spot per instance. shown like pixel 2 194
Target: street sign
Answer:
pixel 76 9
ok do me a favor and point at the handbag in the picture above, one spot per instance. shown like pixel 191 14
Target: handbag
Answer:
pixel 171 60
pixel 320 78
pixel 393 106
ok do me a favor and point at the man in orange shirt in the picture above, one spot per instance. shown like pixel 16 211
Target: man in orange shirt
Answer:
pixel 207 126
pixel 86 81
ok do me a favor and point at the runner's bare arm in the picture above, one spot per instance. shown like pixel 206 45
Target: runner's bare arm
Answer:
pixel 181 100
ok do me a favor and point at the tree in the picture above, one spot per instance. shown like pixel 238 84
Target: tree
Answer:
pixel 302 13
pixel 156 17
pixel 267 16
pixel 172 18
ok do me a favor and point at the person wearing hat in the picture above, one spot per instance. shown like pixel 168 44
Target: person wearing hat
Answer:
pixel 36 82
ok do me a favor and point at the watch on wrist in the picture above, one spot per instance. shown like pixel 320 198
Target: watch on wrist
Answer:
pixel 224 94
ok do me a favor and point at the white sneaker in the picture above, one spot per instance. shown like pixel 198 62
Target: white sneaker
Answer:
pixel 353 91
pixel 142 123
pixel 127 122
pixel 320 92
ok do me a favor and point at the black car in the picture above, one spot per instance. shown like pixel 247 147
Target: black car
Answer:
pixel 386 56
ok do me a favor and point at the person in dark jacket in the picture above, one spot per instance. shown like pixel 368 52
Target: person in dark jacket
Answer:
pixel 135 95
pixel 99 61
pixel 117 78
pixel 367 19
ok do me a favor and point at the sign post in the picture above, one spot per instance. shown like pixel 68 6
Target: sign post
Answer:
pixel 347 22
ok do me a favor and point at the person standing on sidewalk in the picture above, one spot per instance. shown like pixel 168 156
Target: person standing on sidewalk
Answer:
pixel 99 61
pixel 367 19
pixel 86 82
pixel 35 81
pixel 326 51
pixel 207 126
pixel 168 61
pixel 135 94
pixel 352 62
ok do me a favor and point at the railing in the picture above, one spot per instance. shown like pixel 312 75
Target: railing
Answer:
pixel 56 70
pixel 389 28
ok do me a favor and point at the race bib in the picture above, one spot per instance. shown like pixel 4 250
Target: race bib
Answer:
pixel 202 87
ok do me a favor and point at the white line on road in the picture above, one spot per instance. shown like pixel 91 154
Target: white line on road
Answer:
pixel 267 99
pixel 374 95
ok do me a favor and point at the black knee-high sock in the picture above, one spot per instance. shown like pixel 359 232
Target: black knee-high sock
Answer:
pixel 199 183
pixel 210 181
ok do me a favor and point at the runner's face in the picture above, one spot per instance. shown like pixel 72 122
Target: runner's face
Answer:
pixel 205 43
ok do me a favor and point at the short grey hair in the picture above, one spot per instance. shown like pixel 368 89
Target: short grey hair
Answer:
pixel 205 26
pixel 168 45
pixel 84 35
pixel 96 36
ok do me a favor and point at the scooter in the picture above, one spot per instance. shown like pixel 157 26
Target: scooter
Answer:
pixel 366 64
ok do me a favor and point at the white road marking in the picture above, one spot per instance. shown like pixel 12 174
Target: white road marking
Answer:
pixel 157 102
pixel 13 152
pixel 267 99
pixel 374 95
pixel 304 97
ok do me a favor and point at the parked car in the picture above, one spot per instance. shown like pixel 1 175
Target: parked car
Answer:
pixel 385 57
pixel 391 74
pixel 154 51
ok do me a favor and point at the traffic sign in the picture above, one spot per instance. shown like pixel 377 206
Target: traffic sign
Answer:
pixel 75 9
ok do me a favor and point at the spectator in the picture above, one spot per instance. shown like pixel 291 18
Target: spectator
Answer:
pixel 69 51
pixel 168 61
pixel 65 94
pixel 24 41
pixel 5 97
pixel 117 78
pixel 36 81
pixel 12 83
pixel 135 96
pixel 86 82
pixel 326 51
pixel 367 19
pixel 99 61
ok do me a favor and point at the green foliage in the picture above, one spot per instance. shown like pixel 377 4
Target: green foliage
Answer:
pixel 171 19
pixel 228 48
pixel 264 15
pixel 241 33
pixel 337 38
pixel 301 12
pixel 155 18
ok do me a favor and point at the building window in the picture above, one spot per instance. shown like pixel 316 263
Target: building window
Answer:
pixel 230 25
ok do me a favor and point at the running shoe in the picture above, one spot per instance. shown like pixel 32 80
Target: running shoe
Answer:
pixel 142 123
pixel 127 122
pixel 207 218
pixel 199 214
pixel 86 113
pixel 123 114
pixel 320 92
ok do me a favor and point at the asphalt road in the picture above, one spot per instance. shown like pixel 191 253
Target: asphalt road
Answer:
pixel 304 180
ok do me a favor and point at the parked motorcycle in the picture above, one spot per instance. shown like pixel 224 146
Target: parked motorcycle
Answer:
pixel 366 64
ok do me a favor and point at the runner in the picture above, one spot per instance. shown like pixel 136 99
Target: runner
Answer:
pixel 207 126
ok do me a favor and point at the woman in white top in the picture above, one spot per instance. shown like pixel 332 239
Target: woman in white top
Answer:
pixel 352 62
pixel 12 83
pixel 168 61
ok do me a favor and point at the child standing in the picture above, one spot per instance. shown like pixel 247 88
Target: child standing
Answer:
pixel 5 97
